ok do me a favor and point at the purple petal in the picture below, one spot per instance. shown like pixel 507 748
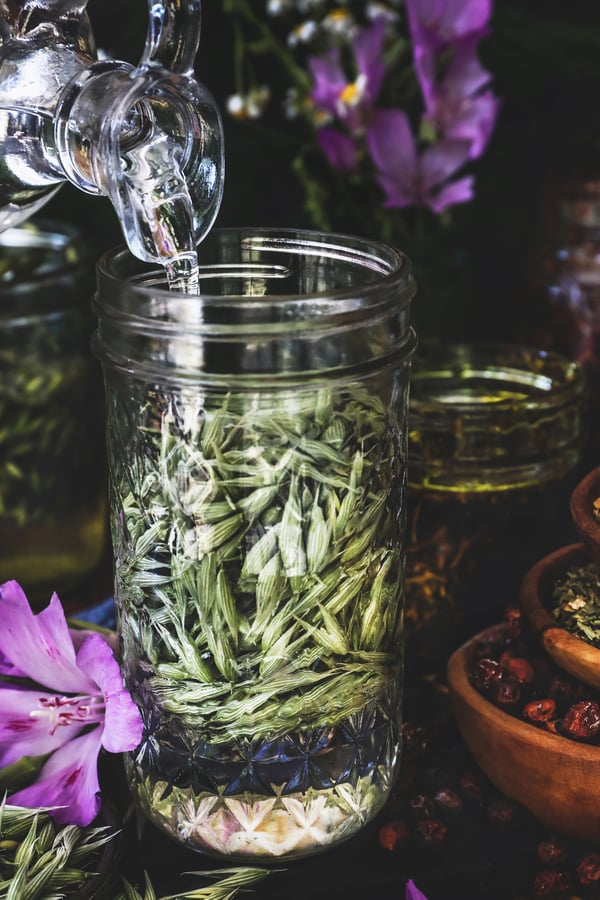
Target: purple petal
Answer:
pixel 79 635
pixel 122 718
pixel 39 645
pixel 436 25
pixel 459 109
pixel 69 779
pixel 339 148
pixel 440 161
pixel 393 150
pixel 8 668
pixel 413 892
pixel 424 63
pixel 476 123
pixel 329 81
pixel 392 145
pixel 466 76
pixel 460 191
pixel 23 734
pixel 368 50
pixel 462 17
pixel 443 22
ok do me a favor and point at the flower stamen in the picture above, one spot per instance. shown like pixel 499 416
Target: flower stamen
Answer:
pixel 69 710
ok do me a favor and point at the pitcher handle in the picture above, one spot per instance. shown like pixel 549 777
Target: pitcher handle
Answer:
pixel 173 34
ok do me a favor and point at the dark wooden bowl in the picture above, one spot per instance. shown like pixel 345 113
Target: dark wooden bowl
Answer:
pixel 574 655
pixel 581 507
pixel 555 778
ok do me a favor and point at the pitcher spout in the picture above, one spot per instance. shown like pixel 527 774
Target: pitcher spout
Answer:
pixel 66 116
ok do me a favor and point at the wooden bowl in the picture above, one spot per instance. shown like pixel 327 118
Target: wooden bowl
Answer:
pixel 574 655
pixel 555 778
pixel 581 507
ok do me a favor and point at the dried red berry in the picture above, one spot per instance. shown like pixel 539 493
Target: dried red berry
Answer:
pixel 507 694
pixel 552 851
pixel 416 740
pixel 588 868
pixel 513 616
pixel 485 673
pixel 540 711
pixel 565 690
pixel 501 812
pixel 551 883
pixel 472 786
pixel 519 667
pixel 582 721
pixel 431 831
pixel 448 800
pixel 422 806
pixel 393 836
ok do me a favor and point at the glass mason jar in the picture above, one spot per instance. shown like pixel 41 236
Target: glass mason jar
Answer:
pixel 53 516
pixel 257 465
pixel 495 438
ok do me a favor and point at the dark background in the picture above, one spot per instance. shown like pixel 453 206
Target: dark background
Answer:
pixel 545 59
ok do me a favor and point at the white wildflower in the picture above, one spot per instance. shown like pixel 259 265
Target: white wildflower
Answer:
pixel 303 33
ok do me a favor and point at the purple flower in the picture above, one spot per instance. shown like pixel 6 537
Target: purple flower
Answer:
pixel 350 101
pixel 461 107
pixel 410 177
pixel 81 708
pixel 436 25
pixel 413 892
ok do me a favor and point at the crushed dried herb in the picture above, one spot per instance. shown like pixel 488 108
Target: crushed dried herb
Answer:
pixel 576 602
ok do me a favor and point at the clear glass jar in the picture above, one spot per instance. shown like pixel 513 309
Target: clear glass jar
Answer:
pixel 53 516
pixel 257 460
pixel 495 439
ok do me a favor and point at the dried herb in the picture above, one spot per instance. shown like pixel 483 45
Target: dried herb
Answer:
pixel 576 602
pixel 229 882
pixel 40 860
pixel 259 558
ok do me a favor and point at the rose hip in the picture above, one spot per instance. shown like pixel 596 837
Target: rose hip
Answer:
pixel 552 851
pixel 582 721
pixel 485 673
pixel 588 868
pixel 508 693
pixel 519 667
pixel 431 831
pixel 551 883
pixel 393 836
pixel 540 711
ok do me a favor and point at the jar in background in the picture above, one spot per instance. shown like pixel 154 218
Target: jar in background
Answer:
pixel 257 461
pixel 53 520
pixel 495 439
pixel 564 290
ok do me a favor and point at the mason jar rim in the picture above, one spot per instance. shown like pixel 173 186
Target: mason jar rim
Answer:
pixel 486 360
pixel 118 269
